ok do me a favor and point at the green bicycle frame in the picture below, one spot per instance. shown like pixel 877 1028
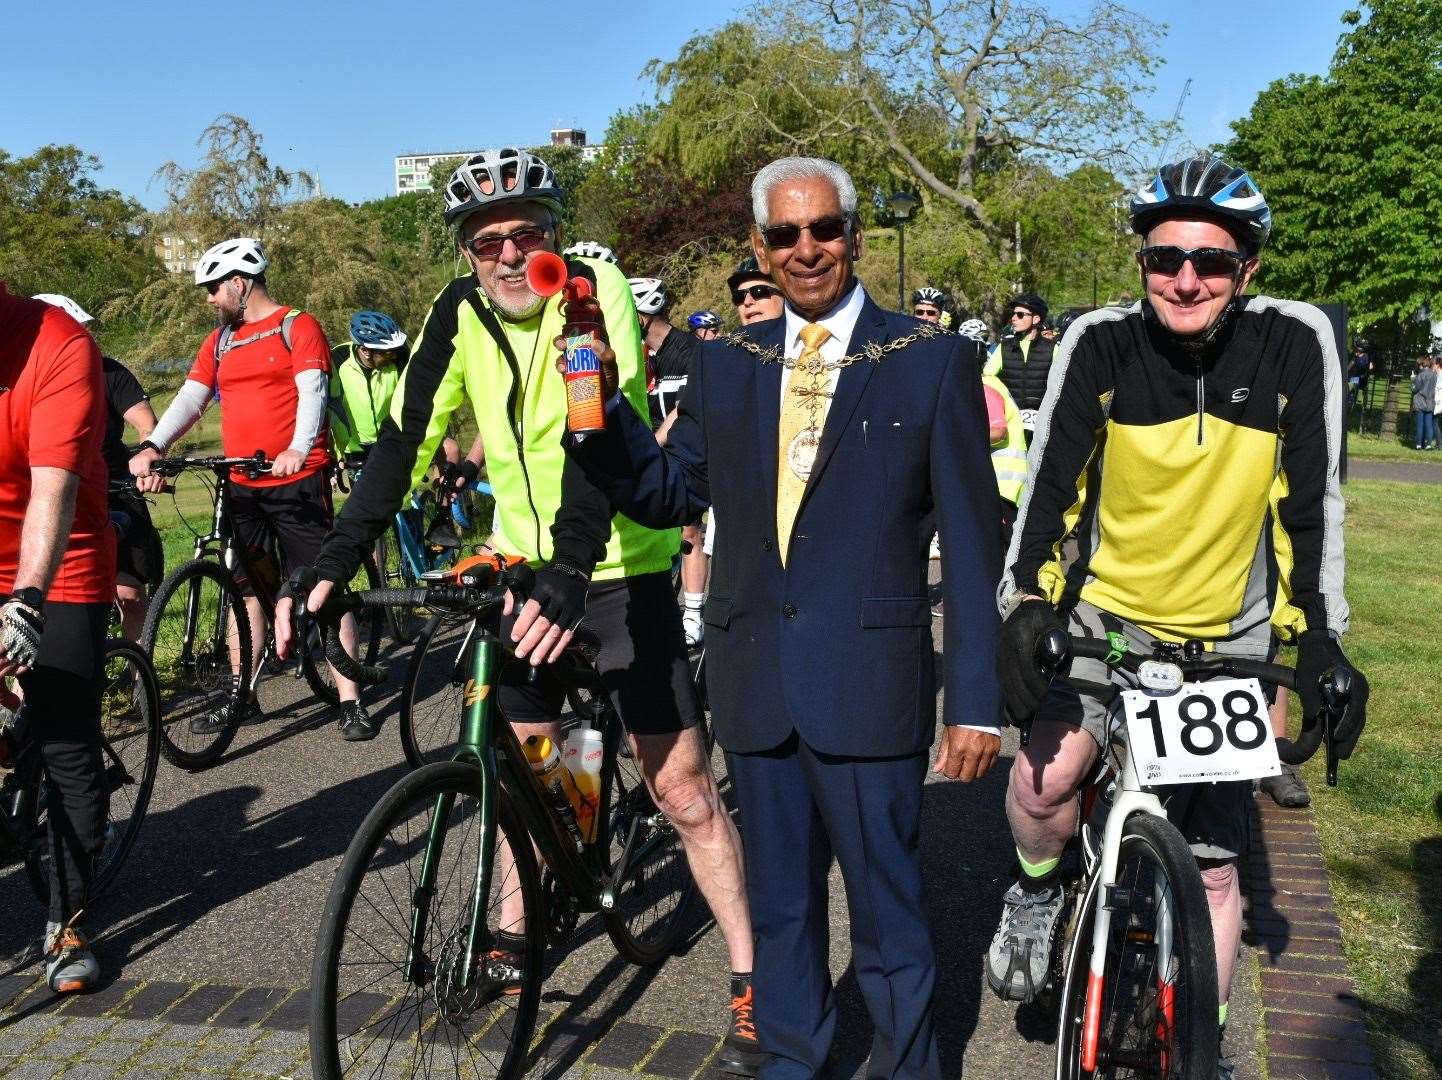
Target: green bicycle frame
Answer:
pixel 489 743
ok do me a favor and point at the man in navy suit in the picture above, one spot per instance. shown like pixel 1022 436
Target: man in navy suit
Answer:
pixel 832 442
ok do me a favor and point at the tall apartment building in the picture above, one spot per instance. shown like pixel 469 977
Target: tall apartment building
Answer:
pixel 178 253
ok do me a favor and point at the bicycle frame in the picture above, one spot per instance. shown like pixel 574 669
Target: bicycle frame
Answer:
pixel 488 742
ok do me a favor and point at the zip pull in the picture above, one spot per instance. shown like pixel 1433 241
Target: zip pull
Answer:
pixel 1201 400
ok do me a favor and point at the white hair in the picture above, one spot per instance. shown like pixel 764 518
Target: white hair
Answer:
pixel 799 168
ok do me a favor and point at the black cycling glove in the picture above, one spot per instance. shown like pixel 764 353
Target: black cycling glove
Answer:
pixel 466 473
pixel 1317 654
pixel 1023 682
pixel 560 590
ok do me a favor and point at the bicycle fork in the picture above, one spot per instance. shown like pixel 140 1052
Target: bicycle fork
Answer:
pixel 1128 801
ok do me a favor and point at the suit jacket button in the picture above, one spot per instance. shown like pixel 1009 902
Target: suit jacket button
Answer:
pixel 766 545
pixel 789 611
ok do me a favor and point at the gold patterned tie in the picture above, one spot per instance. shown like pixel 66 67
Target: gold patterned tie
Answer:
pixel 803 412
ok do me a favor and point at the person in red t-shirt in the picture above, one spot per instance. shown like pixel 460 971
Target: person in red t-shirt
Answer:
pixel 270 366
pixel 57 577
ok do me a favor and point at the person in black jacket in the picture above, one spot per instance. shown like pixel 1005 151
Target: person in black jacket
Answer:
pixel 1025 356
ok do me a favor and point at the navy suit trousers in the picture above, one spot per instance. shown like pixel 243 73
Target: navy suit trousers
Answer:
pixel 799 808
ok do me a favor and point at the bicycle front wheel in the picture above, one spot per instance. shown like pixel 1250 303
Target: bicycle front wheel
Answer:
pixel 197 638
pixel 1154 1011
pixel 655 890
pixel 383 1004
pixel 369 623
pixel 129 758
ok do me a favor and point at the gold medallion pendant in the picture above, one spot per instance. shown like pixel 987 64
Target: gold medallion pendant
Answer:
pixel 801 453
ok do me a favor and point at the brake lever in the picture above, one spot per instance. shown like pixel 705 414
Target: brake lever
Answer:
pixel 1337 696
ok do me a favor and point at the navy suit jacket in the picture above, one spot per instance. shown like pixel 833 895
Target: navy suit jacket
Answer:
pixel 837 644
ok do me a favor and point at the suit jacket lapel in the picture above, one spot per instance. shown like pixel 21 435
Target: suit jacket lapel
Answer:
pixel 767 386
pixel 850 385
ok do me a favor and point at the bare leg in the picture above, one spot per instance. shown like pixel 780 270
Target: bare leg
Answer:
pixel 130 595
pixel 513 912
pixel 695 564
pixel 680 780
pixel 1224 899
pixel 350 641
pixel 1041 791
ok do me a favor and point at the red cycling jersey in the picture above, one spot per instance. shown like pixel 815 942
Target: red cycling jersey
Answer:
pixel 257 389
pixel 52 415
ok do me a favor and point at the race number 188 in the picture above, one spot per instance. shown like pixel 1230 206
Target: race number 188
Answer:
pixel 1217 730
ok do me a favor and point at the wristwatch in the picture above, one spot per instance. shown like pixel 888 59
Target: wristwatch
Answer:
pixel 31 597
pixel 148 445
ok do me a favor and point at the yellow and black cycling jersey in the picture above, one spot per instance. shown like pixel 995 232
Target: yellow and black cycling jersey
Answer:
pixel 1202 489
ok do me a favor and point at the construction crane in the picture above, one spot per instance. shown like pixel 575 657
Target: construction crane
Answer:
pixel 1176 118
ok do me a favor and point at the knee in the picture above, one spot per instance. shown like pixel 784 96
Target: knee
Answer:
pixel 685 797
pixel 1220 881
pixel 1038 789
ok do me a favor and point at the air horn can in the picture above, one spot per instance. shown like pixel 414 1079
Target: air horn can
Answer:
pixel 585 338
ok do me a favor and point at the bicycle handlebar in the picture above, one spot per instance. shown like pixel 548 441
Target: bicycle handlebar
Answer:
pixel 1056 649
pixel 252 466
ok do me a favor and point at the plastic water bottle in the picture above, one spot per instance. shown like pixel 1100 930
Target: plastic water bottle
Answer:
pixel 582 756
pixel 545 761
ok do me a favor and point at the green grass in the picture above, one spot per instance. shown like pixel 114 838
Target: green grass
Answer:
pixel 1376 448
pixel 1380 827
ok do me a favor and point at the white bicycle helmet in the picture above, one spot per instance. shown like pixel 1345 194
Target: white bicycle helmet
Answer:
pixel 589 249
pixel 65 304
pixel 928 295
pixel 650 294
pixel 500 176
pixel 243 255
pixel 974 329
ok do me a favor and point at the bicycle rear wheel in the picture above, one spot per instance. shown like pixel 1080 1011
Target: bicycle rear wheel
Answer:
pixel 395 573
pixel 653 899
pixel 195 621
pixel 370 622
pixel 130 757
pixel 431 699
pixel 373 1014
pixel 1157 1002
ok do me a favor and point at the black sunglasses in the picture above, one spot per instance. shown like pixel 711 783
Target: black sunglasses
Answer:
pixel 1022 313
pixel 755 292
pixel 526 241
pixel 823 231
pixel 1206 261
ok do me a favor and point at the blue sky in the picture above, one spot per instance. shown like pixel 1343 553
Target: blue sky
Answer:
pixel 339 89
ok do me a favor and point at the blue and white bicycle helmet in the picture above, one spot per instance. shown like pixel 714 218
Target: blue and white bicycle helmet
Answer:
pixel 1204 186
pixel 376 330
pixel 703 320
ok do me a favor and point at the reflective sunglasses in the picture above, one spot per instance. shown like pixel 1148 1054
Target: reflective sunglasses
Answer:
pixel 755 292
pixel 526 240
pixel 924 311
pixel 823 231
pixel 1206 261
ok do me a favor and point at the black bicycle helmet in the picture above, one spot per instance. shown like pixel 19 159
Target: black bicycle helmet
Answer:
pixel 1204 186
pixel 928 295
pixel 748 269
pixel 1029 300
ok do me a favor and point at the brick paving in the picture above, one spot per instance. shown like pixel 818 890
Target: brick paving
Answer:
pixel 1314 1024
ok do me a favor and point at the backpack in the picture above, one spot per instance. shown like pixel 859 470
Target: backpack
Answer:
pixel 223 342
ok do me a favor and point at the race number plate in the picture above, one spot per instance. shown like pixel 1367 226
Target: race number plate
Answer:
pixel 1028 419
pixel 1217 730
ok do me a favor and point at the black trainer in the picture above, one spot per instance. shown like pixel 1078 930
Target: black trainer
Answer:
pixel 740 1053
pixel 218 717
pixel 356 724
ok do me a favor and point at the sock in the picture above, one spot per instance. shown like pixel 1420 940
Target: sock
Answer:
pixel 1037 877
pixel 511 943
pixel 1222 1015
pixel 693 600
pixel 740 983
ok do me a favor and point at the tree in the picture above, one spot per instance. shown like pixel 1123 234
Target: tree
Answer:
pixel 1349 165
pixel 61 232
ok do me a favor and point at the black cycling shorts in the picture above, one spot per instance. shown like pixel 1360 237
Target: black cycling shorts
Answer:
pixel 642 661
pixel 297 516
pixel 139 554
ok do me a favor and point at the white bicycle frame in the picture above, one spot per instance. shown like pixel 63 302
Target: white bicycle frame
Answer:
pixel 1130 798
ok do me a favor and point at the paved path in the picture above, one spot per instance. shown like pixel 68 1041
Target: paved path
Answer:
pixel 1408 472
pixel 209 931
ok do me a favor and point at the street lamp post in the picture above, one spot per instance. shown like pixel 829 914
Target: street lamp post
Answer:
pixel 902 203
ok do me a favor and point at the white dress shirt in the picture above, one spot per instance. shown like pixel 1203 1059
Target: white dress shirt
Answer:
pixel 841 321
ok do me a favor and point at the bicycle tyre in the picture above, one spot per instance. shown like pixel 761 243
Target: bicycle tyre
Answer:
pixel 431 698
pixel 131 772
pixel 458 780
pixel 1194 1004
pixel 201 676
pixel 405 623
pixel 369 625
pixel 625 798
